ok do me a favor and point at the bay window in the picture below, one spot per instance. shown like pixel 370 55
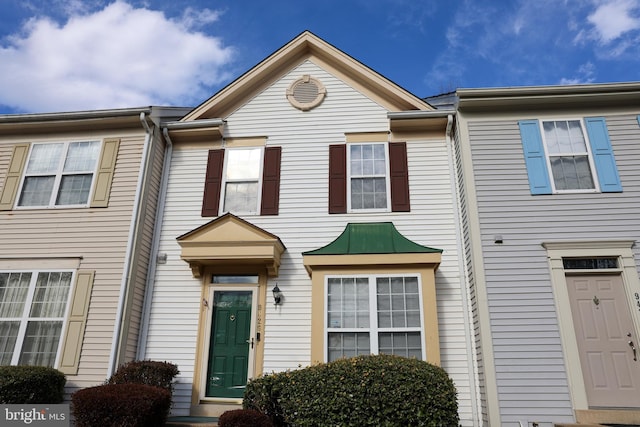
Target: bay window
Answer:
pixel 373 314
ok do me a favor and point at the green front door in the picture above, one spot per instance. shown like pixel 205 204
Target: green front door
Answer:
pixel 229 344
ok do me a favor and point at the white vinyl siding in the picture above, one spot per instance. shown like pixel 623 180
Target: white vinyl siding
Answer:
pixel 303 224
pixel 528 354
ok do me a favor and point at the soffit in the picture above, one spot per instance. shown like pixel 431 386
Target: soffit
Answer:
pixel 230 240
pixel 303 47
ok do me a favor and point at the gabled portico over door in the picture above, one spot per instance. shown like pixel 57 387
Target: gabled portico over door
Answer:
pixel 234 260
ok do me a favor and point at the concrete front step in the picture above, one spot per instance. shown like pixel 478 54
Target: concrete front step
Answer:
pixel 192 422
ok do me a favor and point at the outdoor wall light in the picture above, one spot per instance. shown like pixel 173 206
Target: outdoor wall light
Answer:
pixel 277 295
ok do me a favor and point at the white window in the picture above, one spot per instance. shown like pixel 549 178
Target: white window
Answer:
pixel 368 171
pixel 568 153
pixel 32 312
pixel 243 169
pixel 59 174
pixel 373 314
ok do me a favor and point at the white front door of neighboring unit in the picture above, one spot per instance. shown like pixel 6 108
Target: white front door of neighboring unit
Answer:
pixel 606 339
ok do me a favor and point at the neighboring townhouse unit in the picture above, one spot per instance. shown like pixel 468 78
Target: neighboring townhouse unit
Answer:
pixel 309 214
pixel 78 195
pixel 551 193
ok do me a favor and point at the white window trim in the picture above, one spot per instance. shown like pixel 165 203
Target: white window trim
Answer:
pixel 373 329
pixel 387 177
pixel 58 176
pixel 592 166
pixel 24 319
pixel 223 185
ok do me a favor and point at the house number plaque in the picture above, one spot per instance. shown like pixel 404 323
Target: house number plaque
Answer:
pixel 637 300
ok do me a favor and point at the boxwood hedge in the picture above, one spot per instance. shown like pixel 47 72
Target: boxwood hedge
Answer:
pixel 376 390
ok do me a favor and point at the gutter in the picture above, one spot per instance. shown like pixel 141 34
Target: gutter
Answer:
pixel 421 114
pixel 155 247
pixel 76 115
pixel 133 227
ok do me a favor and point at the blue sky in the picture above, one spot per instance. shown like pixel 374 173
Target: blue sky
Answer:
pixel 69 55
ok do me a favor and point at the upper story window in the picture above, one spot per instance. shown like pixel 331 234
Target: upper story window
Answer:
pixel 369 177
pixel 63 174
pixel 242 179
pixel 368 173
pixel 569 156
pixel 59 174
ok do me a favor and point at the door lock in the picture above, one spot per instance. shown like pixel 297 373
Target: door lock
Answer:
pixel 250 342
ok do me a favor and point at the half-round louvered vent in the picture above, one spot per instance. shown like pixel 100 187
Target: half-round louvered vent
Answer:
pixel 306 93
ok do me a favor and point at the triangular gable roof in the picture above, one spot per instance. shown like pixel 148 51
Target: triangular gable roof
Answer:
pixel 371 238
pixel 307 46
pixel 230 240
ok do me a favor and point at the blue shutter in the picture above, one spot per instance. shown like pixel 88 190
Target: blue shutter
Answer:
pixel 603 155
pixel 534 157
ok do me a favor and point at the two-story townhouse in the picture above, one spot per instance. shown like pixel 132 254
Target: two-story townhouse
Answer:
pixel 309 215
pixel 78 195
pixel 551 193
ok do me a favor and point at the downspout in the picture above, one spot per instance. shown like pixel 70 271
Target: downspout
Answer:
pixel 133 226
pixel 155 247
pixel 465 291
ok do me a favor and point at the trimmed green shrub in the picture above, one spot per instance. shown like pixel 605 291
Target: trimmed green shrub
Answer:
pixel 377 390
pixel 244 418
pixel 159 374
pixel 121 405
pixel 31 384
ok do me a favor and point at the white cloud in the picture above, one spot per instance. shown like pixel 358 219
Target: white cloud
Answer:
pixel 116 57
pixel 612 19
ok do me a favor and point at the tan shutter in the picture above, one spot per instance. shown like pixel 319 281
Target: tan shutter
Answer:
pixel 12 181
pixel 76 322
pixel 104 176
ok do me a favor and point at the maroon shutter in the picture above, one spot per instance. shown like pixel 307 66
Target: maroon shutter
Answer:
pixel 212 183
pixel 271 181
pixel 399 177
pixel 337 178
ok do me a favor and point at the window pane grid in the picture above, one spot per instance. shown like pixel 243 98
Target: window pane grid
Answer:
pixel 41 343
pixel 568 153
pixel 368 171
pixel 32 310
pixel 242 179
pixel 60 174
pixel 13 294
pixel 393 327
